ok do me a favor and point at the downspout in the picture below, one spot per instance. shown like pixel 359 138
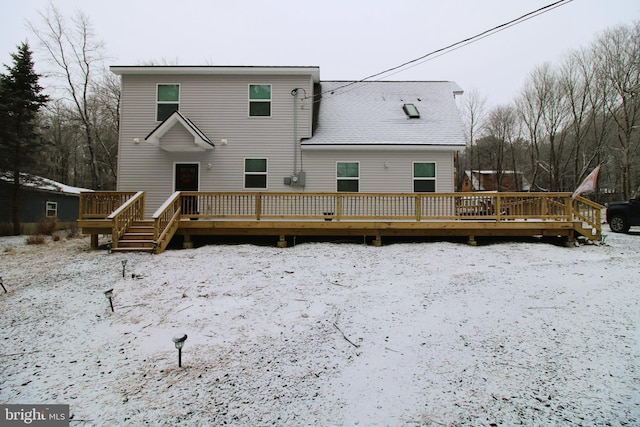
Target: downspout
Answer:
pixel 294 93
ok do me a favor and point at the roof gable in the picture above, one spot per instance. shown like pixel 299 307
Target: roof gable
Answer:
pixel 200 141
pixel 374 113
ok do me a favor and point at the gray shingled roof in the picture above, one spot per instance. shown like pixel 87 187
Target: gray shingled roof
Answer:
pixel 371 113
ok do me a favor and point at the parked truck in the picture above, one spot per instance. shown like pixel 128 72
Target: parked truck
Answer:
pixel 622 215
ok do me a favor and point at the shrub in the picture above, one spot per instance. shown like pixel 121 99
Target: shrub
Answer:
pixel 73 233
pixel 36 239
pixel 46 226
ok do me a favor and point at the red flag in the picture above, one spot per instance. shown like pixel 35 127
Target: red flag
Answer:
pixel 589 183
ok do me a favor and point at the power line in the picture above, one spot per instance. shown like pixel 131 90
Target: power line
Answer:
pixel 454 46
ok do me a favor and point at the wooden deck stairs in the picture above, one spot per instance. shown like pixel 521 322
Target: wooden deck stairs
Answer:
pixel 139 237
pixel 588 231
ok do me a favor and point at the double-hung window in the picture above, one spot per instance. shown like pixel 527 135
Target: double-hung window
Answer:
pixel 51 209
pixel 255 173
pixel 424 177
pixel 260 100
pixel 348 176
pixel 168 100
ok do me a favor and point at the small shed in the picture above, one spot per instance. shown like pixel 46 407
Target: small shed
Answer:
pixel 41 199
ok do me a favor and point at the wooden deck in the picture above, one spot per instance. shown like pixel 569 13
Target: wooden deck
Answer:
pixel 121 215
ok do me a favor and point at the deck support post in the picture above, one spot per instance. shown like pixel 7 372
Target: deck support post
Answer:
pixel 472 241
pixel 187 243
pixel 377 241
pixel 282 242
pixel 94 241
pixel 571 240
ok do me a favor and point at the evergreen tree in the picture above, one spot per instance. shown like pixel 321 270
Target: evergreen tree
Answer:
pixel 21 98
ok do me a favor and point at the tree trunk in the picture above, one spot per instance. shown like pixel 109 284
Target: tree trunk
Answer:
pixel 95 175
pixel 15 206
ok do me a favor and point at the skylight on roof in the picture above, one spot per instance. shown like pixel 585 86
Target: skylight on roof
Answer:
pixel 411 111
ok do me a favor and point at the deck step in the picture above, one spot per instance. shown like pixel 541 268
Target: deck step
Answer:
pixel 138 238
pixel 139 229
pixel 133 242
pixel 133 249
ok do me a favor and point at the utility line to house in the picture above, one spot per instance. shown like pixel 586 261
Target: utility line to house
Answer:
pixel 444 50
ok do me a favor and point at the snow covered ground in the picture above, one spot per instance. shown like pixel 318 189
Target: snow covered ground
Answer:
pixel 435 333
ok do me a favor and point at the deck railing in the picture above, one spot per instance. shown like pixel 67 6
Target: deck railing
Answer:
pixel 122 218
pixel 357 206
pixel 101 204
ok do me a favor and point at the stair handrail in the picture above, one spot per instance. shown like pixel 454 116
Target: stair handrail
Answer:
pixel 588 211
pixel 165 220
pixel 123 217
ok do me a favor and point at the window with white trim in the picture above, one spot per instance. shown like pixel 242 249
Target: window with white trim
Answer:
pixel 348 176
pixel 51 209
pixel 424 177
pixel 255 173
pixel 167 100
pixel 260 100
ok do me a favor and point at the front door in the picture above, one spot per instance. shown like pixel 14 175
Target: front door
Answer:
pixel 187 178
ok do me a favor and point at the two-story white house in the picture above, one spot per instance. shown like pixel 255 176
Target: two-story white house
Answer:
pixel 212 128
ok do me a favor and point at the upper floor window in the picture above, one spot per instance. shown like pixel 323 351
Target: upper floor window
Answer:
pixel 168 100
pixel 348 176
pixel 424 177
pixel 255 173
pixel 259 100
pixel 51 209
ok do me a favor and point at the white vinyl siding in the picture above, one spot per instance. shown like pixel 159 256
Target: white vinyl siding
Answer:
pixel 217 105
pixel 381 171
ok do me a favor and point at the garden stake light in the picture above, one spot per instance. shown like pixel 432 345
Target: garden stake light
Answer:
pixel 124 264
pixel 109 295
pixel 179 340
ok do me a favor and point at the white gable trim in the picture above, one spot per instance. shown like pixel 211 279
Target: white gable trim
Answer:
pixel 200 141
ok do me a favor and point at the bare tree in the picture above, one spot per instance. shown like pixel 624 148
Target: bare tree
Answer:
pixel 503 131
pixel 77 56
pixel 474 112
pixel 616 57
pixel 530 106
pixel 105 108
pixel 543 108
pixel 575 82
pixel 60 137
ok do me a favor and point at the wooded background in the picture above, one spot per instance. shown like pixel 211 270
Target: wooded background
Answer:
pixel 567 118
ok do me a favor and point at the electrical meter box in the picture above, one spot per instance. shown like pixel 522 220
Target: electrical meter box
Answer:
pixel 295 180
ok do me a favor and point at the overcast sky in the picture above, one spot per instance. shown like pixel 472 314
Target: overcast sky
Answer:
pixel 347 39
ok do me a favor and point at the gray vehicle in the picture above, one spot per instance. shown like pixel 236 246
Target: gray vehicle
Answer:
pixel 622 215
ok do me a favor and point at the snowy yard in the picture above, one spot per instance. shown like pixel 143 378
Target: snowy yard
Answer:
pixel 326 333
